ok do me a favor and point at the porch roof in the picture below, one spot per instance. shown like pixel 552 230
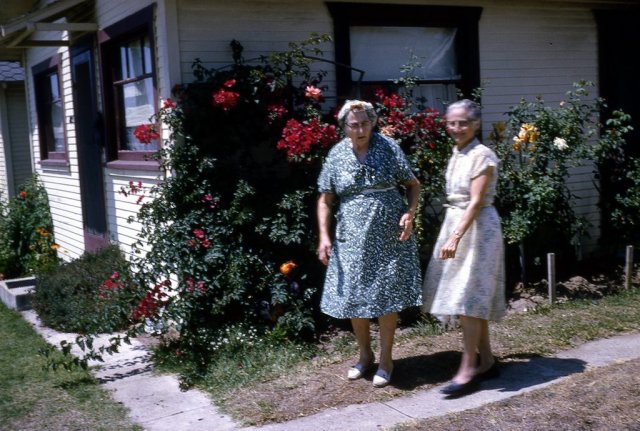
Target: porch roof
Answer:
pixel 24 22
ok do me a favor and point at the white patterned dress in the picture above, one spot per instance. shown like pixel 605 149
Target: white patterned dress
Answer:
pixel 472 283
pixel 371 272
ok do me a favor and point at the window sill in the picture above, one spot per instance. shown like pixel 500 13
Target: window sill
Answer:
pixel 134 165
pixel 54 163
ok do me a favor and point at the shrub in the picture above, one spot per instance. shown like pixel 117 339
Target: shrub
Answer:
pixel 537 147
pixel 229 238
pixel 91 294
pixel 26 232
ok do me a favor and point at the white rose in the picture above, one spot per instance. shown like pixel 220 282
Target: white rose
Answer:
pixel 560 144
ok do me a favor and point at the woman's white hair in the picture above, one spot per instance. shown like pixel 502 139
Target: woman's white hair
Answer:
pixel 356 105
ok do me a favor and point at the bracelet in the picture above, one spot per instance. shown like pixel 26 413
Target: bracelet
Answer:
pixel 457 234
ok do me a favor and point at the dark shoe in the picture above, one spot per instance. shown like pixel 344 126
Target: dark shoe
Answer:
pixel 454 389
pixel 492 373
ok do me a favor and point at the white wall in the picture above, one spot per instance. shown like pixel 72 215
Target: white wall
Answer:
pixel 4 147
pixel 529 51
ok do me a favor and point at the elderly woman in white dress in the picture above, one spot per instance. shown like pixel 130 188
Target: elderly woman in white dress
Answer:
pixel 465 276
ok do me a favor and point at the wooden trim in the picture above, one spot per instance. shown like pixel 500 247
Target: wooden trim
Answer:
pixel 465 19
pixel 52 64
pixel 134 165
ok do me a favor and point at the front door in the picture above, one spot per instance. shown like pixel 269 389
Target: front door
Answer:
pixel 89 144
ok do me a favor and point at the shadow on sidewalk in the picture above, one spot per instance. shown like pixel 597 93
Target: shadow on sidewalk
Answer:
pixel 516 371
pixel 526 371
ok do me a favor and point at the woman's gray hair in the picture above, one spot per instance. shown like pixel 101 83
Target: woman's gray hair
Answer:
pixel 473 109
pixel 356 105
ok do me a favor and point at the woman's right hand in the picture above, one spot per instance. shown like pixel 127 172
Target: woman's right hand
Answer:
pixel 324 250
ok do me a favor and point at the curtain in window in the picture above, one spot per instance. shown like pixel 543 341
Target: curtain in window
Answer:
pixel 382 51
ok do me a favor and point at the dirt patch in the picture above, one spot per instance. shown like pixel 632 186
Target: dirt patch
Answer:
pixel 605 398
pixel 419 364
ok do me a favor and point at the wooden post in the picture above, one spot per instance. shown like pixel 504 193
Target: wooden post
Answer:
pixel 551 276
pixel 628 267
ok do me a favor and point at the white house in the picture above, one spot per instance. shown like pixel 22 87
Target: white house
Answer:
pixel 94 69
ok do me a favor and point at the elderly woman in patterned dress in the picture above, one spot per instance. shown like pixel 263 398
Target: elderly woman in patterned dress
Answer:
pixel 373 269
pixel 465 276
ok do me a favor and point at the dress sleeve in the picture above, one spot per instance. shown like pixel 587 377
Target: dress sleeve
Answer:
pixel 481 161
pixel 403 168
pixel 325 179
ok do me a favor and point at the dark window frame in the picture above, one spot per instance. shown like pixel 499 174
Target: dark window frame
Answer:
pixel 136 26
pixel 464 19
pixel 41 72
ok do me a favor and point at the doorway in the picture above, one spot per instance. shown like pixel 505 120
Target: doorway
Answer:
pixel 89 143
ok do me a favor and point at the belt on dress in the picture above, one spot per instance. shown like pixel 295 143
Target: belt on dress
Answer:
pixel 368 191
pixel 463 205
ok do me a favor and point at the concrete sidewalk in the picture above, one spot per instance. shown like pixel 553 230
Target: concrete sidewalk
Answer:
pixel 156 402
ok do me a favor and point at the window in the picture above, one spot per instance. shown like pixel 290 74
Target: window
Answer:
pixel 376 40
pixel 50 111
pixel 129 85
pixel 133 89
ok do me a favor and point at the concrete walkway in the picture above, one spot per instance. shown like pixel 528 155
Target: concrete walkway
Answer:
pixel 156 402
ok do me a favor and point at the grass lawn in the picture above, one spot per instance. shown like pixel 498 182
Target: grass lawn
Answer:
pixel 34 399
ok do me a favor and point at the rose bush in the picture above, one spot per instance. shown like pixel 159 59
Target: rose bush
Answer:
pixel 538 147
pixel 228 237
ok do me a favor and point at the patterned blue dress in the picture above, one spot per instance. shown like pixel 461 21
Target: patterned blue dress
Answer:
pixel 471 284
pixel 371 272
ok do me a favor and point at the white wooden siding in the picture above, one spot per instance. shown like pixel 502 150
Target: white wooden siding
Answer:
pixel 4 147
pixel 530 51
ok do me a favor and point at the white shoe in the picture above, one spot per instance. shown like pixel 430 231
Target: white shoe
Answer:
pixel 382 378
pixel 357 371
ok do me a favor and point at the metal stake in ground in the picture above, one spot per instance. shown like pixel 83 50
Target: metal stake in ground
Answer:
pixel 551 276
pixel 628 267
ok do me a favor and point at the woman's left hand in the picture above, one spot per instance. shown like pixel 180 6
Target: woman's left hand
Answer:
pixel 406 223
pixel 448 250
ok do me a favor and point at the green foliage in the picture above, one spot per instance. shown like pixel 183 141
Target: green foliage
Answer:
pixel 538 146
pixel 620 183
pixel 91 294
pixel 243 355
pixel 26 232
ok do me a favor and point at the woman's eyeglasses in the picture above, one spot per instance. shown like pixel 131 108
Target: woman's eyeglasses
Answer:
pixel 361 125
pixel 463 124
